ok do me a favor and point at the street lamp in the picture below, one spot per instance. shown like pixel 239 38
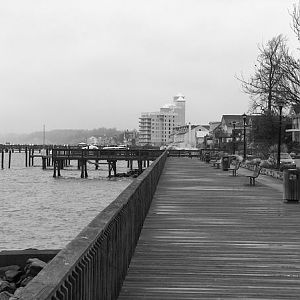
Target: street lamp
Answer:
pixel 233 136
pixel 244 119
pixel 280 105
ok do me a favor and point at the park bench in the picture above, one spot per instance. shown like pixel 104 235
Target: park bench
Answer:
pixel 213 160
pixel 216 163
pixel 255 174
pixel 235 168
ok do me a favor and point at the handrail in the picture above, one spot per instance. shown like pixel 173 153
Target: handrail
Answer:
pixel 106 153
pixel 94 264
pixel 184 153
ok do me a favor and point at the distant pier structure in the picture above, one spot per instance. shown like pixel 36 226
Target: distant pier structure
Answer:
pixel 31 151
pixel 62 157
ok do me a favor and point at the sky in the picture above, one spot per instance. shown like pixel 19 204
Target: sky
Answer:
pixel 74 64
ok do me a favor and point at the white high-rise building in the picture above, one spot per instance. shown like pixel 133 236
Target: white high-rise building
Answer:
pixel 155 128
pixel 179 101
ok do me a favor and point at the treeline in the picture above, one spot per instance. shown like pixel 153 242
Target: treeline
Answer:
pixel 62 136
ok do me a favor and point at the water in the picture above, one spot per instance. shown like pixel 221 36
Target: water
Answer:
pixel 39 211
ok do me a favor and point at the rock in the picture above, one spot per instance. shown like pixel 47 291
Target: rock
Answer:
pixel 5 286
pixel 5 295
pixel 17 293
pixel 26 280
pixel 12 275
pixel 6 268
pixel 34 266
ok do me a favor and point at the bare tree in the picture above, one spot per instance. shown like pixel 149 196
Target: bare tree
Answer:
pixel 290 85
pixel 291 66
pixel 266 86
pixel 295 14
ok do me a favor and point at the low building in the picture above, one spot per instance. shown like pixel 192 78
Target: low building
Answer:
pixel 222 132
pixel 189 136
pixel 130 137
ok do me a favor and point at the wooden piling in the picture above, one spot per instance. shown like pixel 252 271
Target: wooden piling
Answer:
pixel 54 168
pixel 47 158
pixel 29 157
pixel 58 167
pixel 85 169
pixel 26 157
pixel 2 159
pixel 97 161
pixel 84 173
pixel 9 159
pixel 32 157
pixel 44 163
pixel 140 166
pixel 82 169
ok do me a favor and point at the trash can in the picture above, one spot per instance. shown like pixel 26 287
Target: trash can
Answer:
pixel 291 185
pixel 225 163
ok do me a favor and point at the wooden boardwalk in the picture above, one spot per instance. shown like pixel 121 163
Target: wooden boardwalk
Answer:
pixel 209 235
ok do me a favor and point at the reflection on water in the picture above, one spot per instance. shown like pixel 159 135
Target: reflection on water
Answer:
pixel 39 211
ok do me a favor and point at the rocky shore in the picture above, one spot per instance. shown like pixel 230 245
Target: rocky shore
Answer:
pixel 133 173
pixel 14 278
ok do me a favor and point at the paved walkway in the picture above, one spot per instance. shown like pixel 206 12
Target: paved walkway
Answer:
pixel 209 235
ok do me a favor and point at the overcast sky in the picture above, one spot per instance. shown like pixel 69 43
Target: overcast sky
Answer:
pixel 74 64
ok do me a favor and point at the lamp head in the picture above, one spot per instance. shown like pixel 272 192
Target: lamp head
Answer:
pixel 244 117
pixel 280 103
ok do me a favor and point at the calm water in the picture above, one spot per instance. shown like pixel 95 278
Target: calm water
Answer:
pixel 39 211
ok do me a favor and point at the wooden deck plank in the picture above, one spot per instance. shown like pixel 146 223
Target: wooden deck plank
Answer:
pixel 209 235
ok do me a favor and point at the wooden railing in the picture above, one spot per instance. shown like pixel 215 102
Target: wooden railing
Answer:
pixel 94 264
pixel 105 154
pixel 184 153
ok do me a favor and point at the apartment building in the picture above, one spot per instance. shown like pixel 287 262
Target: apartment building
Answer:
pixel 155 128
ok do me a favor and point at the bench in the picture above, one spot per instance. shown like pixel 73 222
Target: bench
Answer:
pixel 216 163
pixel 236 167
pixel 255 174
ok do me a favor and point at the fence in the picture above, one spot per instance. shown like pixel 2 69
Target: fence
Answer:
pixel 94 264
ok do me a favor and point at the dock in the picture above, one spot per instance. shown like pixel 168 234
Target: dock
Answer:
pixel 182 230
pixel 209 235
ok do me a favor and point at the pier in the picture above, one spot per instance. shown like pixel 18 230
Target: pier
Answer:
pixel 31 152
pixel 59 158
pixel 64 156
pixel 182 230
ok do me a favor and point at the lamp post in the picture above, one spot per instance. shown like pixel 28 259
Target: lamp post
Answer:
pixel 233 137
pixel 280 105
pixel 244 119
